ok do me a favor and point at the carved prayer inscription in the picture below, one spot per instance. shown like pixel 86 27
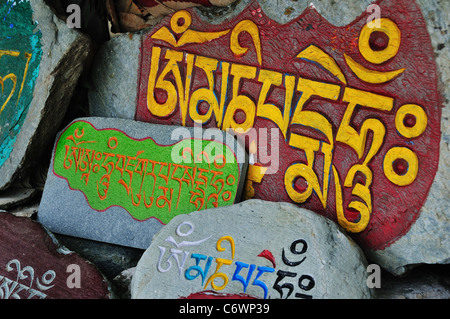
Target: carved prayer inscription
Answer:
pixel 12 288
pixel 146 179
pixel 34 266
pixel 356 108
pixel 241 251
pixel 197 269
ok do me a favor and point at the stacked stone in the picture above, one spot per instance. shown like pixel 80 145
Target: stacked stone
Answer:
pixel 269 150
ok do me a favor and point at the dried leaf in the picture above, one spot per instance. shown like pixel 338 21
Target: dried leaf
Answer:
pixel 112 16
pixel 158 10
pixel 130 22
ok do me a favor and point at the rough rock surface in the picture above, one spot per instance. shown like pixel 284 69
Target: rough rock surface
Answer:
pixel 115 66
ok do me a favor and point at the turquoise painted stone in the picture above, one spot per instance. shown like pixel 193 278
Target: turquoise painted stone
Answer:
pixel 20 55
pixel 41 59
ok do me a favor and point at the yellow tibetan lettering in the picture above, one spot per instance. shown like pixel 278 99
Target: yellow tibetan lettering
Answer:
pixel 209 66
pixel 239 101
pixel 225 66
pixel 252 29
pixel 352 173
pixel 168 106
pixel 191 36
pixel 180 23
pixel 365 212
pixel 13 78
pixel 266 110
pixel 9 52
pixel 157 82
pixel 401 178
pixel 348 135
pixel 371 76
pixel 317 55
pixel 220 262
pixel 368 99
pixel 228 239
pixel 183 97
pixel 417 113
pixel 362 191
pixel 25 72
pixel 317 121
pixel 311 146
pixel 255 174
pixel 390 29
pixel 310 88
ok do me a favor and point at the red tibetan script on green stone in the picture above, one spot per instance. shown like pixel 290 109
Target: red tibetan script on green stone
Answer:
pixel 146 179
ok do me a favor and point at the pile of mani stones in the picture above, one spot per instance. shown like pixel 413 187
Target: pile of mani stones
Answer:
pixel 167 209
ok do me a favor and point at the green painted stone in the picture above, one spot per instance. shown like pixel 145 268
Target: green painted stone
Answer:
pixel 113 169
pixel 120 181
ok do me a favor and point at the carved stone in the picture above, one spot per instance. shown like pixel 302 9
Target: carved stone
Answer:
pixel 120 181
pixel 41 60
pixel 34 266
pixel 254 249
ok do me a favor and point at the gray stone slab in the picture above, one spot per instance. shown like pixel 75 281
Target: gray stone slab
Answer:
pixel 116 66
pixel 46 62
pixel 253 249
pixel 80 200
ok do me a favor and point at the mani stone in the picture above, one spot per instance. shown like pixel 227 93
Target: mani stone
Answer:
pixel 428 239
pixel 41 60
pixel 254 249
pixel 372 156
pixel 33 265
pixel 119 181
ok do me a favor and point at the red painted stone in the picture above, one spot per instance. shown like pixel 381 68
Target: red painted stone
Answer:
pixel 348 80
pixel 33 266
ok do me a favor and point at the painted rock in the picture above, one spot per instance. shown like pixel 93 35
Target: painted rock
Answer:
pixel 342 120
pixel 34 266
pixel 40 62
pixel 254 249
pixel 428 238
pixel 119 181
